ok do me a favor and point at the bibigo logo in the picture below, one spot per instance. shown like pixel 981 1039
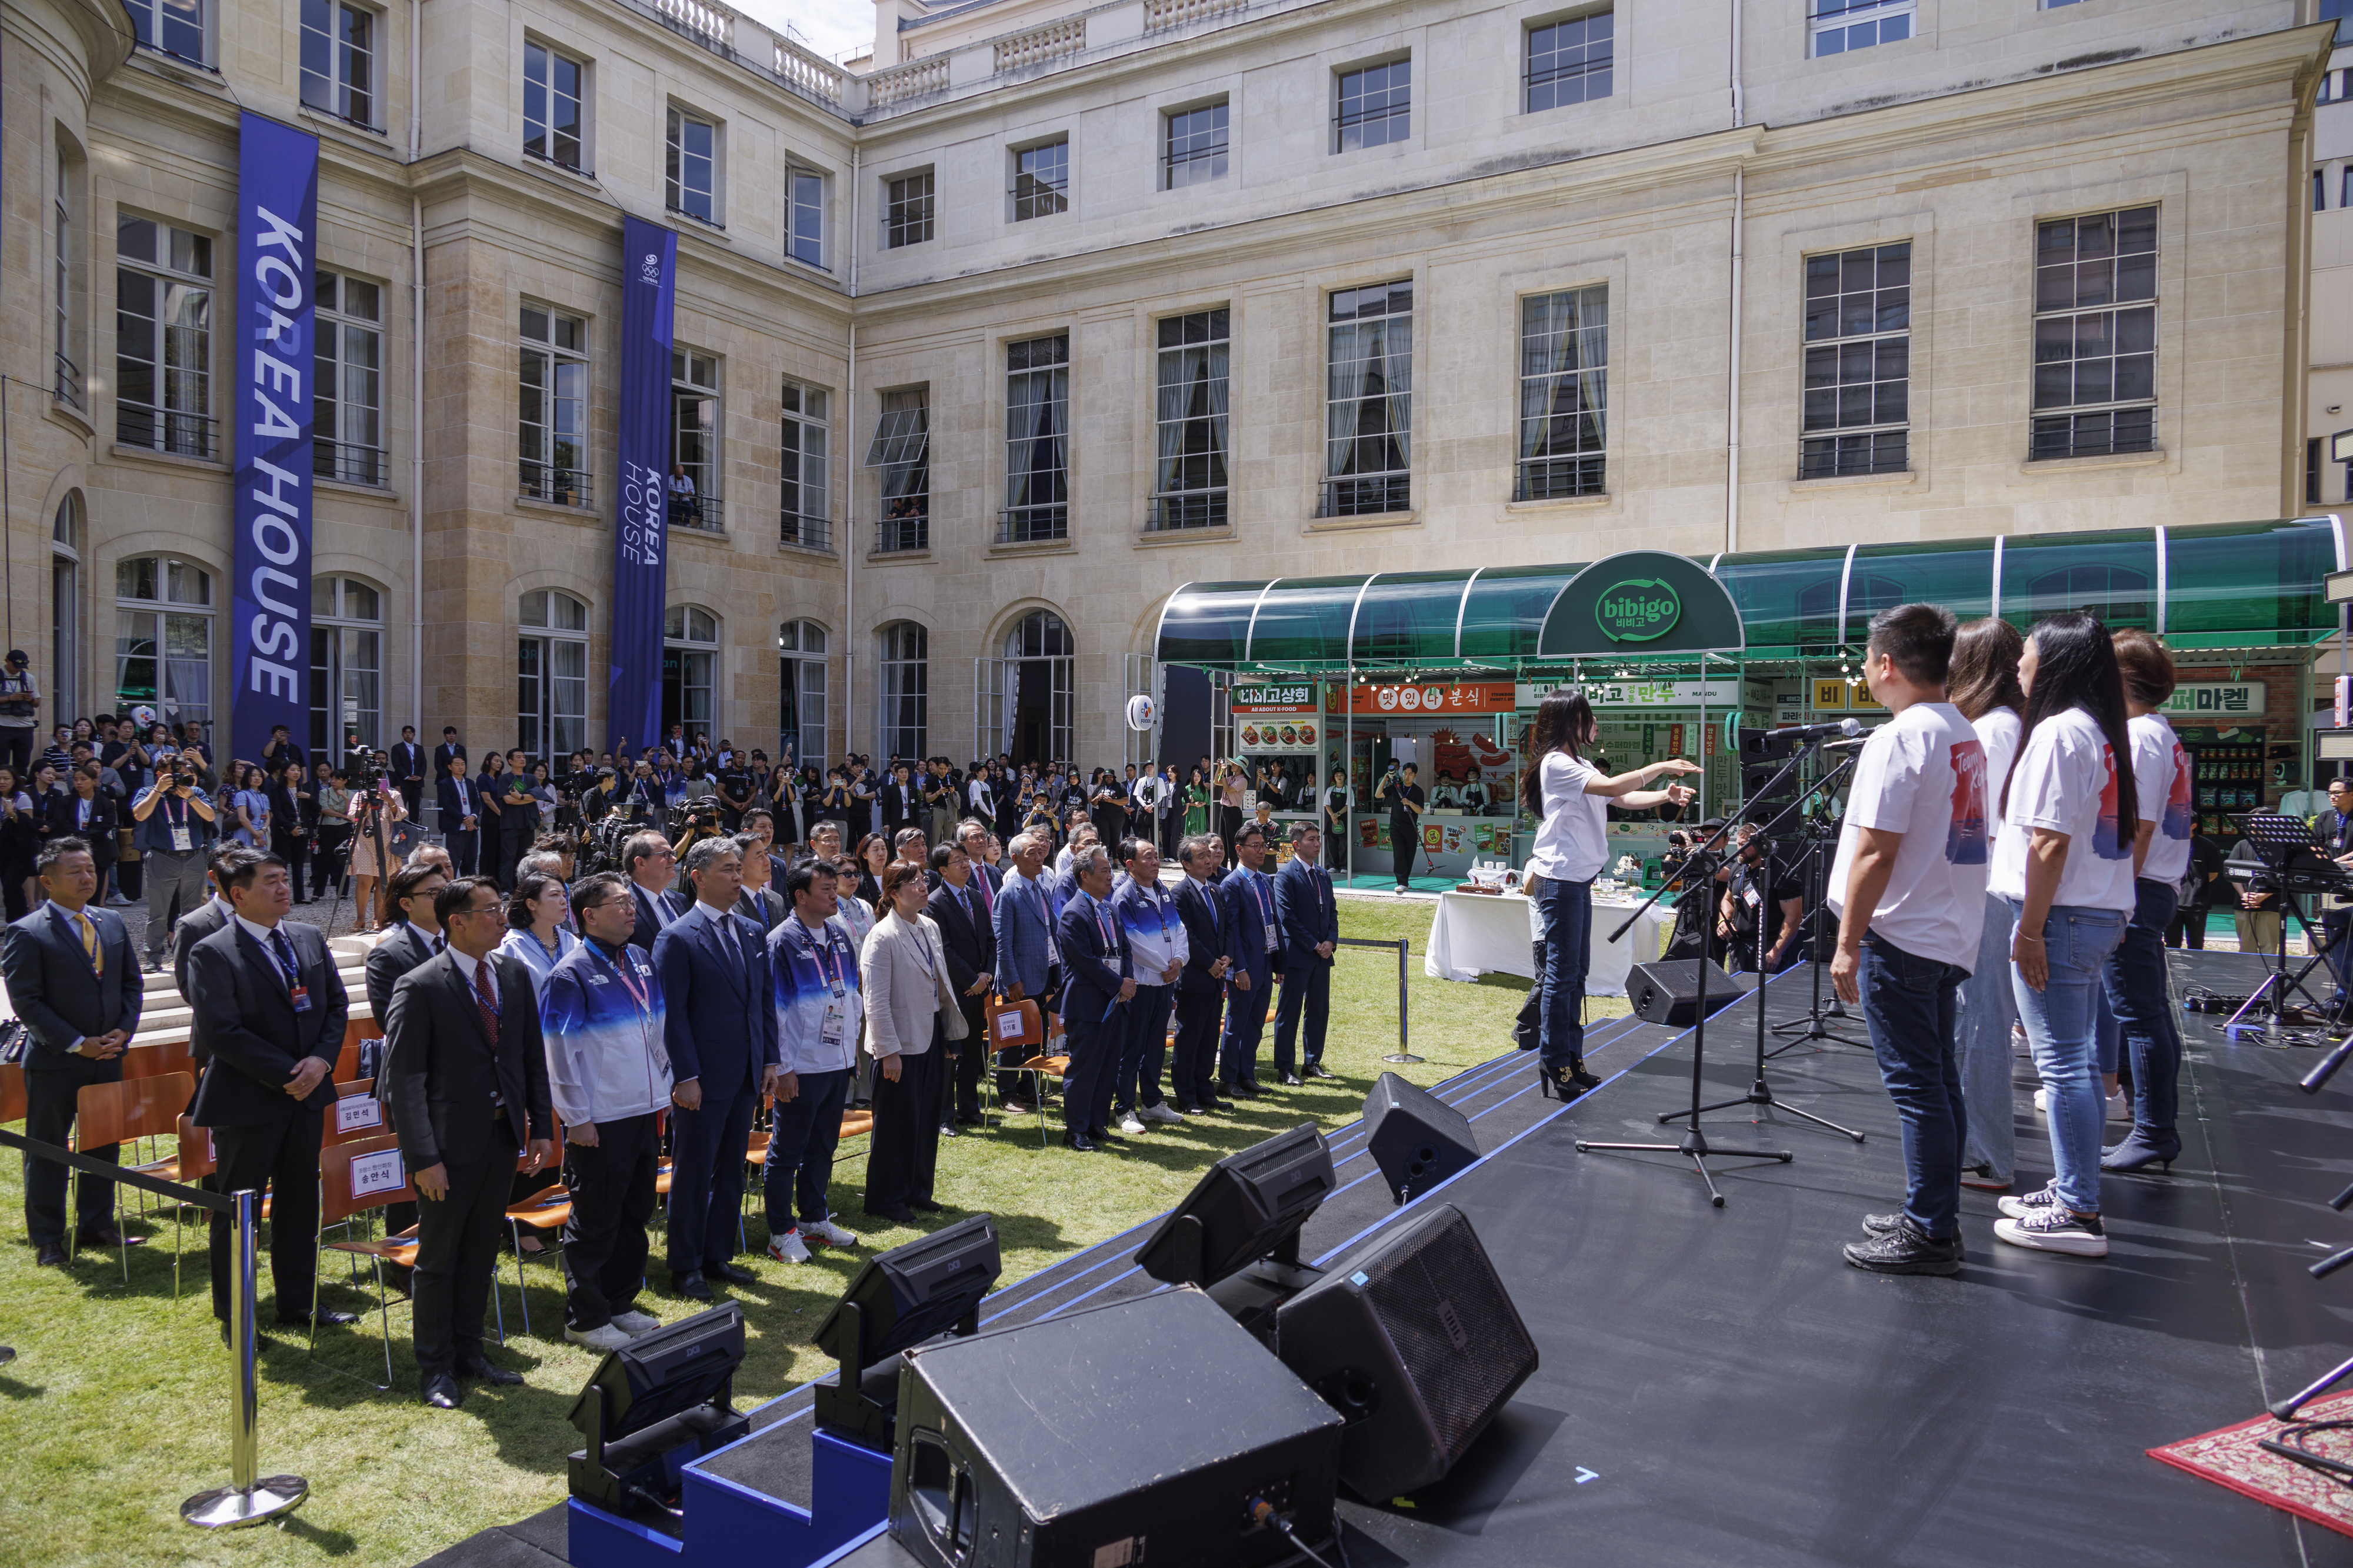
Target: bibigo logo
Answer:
pixel 1638 610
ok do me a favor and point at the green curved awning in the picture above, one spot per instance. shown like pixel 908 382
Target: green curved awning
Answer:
pixel 2240 585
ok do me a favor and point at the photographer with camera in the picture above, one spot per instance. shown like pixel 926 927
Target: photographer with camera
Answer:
pixel 1746 898
pixel 1404 798
pixel 175 824
pixel 375 806
pixel 20 713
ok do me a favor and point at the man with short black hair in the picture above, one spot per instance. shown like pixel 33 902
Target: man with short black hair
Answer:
pixel 173 824
pixel 1095 1002
pixel 224 858
pixel 956 907
pixel 459 801
pixel 1158 947
pixel 1404 798
pixel 813 970
pixel 20 703
pixel 1200 989
pixel 1309 934
pixel 448 748
pixel 408 771
pixel 1253 936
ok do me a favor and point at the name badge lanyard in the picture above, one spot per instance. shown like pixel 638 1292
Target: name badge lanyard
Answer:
pixel 1111 946
pixel 175 815
pixel 626 972
pixel 296 991
pixel 1265 910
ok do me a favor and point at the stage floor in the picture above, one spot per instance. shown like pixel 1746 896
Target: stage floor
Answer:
pixel 1718 1387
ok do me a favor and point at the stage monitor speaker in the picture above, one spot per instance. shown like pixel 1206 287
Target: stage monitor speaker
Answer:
pixel 670 1390
pixel 1142 1431
pixel 1414 1339
pixel 1247 1206
pixel 1668 992
pixel 929 1287
pixel 1417 1139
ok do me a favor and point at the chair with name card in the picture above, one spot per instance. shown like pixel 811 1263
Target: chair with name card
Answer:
pixel 542 1213
pixel 357 1177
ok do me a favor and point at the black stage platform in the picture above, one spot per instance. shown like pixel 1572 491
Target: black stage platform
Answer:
pixel 1718 1387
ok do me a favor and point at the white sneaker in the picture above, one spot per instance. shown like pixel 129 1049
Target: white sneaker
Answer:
pixel 1164 1112
pixel 1129 1125
pixel 825 1233
pixel 2120 1107
pixel 787 1247
pixel 2041 1200
pixel 634 1323
pixel 2042 1101
pixel 2055 1229
pixel 603 1337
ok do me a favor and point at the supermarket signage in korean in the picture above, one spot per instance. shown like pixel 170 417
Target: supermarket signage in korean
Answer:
pixel 2216 699
pixel 1299 697
pixel 1407 699
pixel 1724 693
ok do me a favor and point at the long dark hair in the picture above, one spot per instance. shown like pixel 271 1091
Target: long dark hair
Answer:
pixel 1984 671
pixel 2075 667
pixel 1564 724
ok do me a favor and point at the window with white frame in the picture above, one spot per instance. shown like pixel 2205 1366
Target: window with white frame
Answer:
pixel 65 605
pixel 804 192
pixel 346 668
pixel 902 721
pixel 1041 180
pixel 1193 146
pixel 1373 107
pixel 694 427
pixel 907 210
pixel 1570 61
pixel 1368 401
pixel 803 470
pixel 552 94
pixel 174 26
pixel 1189 413
pixel 339 50
pixel 347 391
pixel 800 667
pixel 1843 26
pixel 2096 335
pixel 162 337
pixel 690 670
pixel 163 638
pixel 553 420
pixel 552 674
pixel 693 167
pixel 1036 440
pixel 1564 393
pixel 902 452
pixel 1858 363
pixel 69 373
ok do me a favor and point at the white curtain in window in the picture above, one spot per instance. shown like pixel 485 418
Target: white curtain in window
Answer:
pixel 1192 416
pixel 1370 385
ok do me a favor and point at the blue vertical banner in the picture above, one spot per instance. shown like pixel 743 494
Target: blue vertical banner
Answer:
pixel 640 538
pixel 269 623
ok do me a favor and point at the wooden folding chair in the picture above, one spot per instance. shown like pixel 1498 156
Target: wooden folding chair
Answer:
pixel 12 1092
pixel 356 1113
pixel 543 1212
pixel 158 1058
pixel 115 1114
pixel 338 1205
pixel 1048 1062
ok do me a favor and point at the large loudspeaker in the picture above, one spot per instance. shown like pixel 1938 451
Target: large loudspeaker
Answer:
pixel 1414 1339
pixel 1417 1139
pixel 1137 1432
pixel 1668 992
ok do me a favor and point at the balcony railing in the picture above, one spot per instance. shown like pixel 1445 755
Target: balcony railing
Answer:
pixel 1159 15
pixel 1064 37
pixel 807 532
pixel 1033 524
pixel 1561 478
pixel 564 487
pixel 1190 509
pixel 898 536
pixel 704 515
pixel 350 463
pixel 1366 495
pixel 166 430
pixel 69 381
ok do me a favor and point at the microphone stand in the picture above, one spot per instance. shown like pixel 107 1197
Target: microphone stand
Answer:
pixel 1693 1144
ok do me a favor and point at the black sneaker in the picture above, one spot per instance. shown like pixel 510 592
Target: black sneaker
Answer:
pixel 1881 1224
pixel 1906 1249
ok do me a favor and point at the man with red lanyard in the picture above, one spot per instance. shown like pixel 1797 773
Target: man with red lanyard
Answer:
pixel 813 969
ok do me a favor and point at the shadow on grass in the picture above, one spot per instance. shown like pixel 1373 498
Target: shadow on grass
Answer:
pixel 329 1543
pixel 16 1388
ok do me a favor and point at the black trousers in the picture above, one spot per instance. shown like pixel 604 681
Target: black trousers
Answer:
pixel 2188 927
pixel 460 843
pixel 1095 1045
pixel 327 859
pixel 1401 851
pixel 458 1253
pixel 903 1155
pixel 50 1093
pixel 961 1083
pixel 295 851
pixel 282 1157
pixel 605 1244
pixel 512 846
pixel 1193 1076
pixel 1308 989
pixel 1229 828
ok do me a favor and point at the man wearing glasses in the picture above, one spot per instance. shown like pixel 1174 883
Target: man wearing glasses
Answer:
pixel 651 866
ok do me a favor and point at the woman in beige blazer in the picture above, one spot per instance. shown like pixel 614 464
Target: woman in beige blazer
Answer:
pixel 911 1015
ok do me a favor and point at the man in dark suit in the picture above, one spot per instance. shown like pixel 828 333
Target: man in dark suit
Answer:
pixel 1201 989
pixel 1253 936
pixel 416 936
pixel 408 771
pixel 461 814
pixel 956 908
pixel 1100 984
pixel 270 1015
pixel 448 748
pixel 719 1022
pixel 1310 923
pixel 76 985
pixel 649 862
pixel 900 804
pixel 212 914
pixel 466 1076
pixel 489 798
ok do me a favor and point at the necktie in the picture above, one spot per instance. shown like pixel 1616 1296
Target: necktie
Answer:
pixel 283 951
pixel 988 904
pixel 90 941
pixel 485 1003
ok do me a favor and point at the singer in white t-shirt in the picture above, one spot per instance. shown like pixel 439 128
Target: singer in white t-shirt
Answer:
pixel 1984 687
pixel 2064 861
pixel 1909 889
pixel 1572 798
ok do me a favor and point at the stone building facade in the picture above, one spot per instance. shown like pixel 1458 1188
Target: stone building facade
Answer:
pixel 985 352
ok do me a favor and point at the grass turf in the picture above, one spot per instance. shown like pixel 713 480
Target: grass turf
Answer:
pixel 116 1408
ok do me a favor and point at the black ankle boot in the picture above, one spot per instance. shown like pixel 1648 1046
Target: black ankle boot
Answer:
pixel 1583 1078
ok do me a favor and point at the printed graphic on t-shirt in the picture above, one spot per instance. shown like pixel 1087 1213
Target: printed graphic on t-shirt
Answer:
pixel 2175 821
pixel 1965 840
pixel 2106 842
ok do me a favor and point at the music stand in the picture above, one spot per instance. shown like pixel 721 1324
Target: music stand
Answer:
pixel 2283 844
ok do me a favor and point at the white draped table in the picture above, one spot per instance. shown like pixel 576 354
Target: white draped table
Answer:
pixel 1491 933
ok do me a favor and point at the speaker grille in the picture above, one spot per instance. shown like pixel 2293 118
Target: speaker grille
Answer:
pixel 1432 1300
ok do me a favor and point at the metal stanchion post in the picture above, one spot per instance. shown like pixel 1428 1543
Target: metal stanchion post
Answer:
pixel 247 1499
pixel 1403 1055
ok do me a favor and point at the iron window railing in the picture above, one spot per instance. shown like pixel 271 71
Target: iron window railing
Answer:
pixel 898 536
pixel 69 387
pixel 1190 508
pixel 166 430
pixel 704 515
pixel 348 462
pixel 1366 497
pixel 1033 524
pixel 807 532
pixel 565 486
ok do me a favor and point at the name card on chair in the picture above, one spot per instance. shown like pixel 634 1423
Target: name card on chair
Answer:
pixel 354 1112
pixel 378 1173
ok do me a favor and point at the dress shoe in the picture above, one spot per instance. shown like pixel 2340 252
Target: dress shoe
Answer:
pixel 105 1235
pixel 947 1129
pixel 1105 1135
pixel 1247 1089
pixel 733 1274
pixel 1317 1069
pixel 325 1317
pixel 482 1371
pixel 1081 1143
pixel 1217 1105
pixel 971 1119
pixel 50 1255
pixel 897 1214
pixel 2141 1150
pixel 1289 1081
pixel 1186 1107
pixel 691 1286
pixel 924 1205
pixel 442 1393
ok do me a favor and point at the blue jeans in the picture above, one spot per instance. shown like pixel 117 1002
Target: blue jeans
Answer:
pixel 1983 1012
pixel 2060 1027
pixel 2143 1005
pixel 1567 908
pixel 1908 1005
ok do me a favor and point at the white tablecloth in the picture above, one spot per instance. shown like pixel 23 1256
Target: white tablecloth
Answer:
pixel 1490 933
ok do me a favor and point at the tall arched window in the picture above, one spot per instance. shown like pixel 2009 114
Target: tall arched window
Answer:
pixel 552 674
pixel 904 720
pixel 800 677
pixel 346 668
pixel 163 638
pixel 65 608
pixel 690 670
pixel 1040 659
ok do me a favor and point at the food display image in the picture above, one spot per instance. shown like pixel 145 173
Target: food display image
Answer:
pixel 1249 734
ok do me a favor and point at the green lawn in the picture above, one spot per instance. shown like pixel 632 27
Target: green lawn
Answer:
pixel 117 1407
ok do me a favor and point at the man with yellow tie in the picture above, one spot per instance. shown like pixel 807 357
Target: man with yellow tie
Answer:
pixel 76 984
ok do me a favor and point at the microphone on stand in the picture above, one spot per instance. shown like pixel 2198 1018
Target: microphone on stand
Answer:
pixel 1792 734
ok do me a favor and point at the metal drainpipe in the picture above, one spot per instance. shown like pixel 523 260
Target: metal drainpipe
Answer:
pixel 416 375
pixel 1732 391
pixel 849 487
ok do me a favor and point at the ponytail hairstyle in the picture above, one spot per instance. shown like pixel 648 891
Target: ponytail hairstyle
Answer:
pixel 1564 724
pixel 2075 667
